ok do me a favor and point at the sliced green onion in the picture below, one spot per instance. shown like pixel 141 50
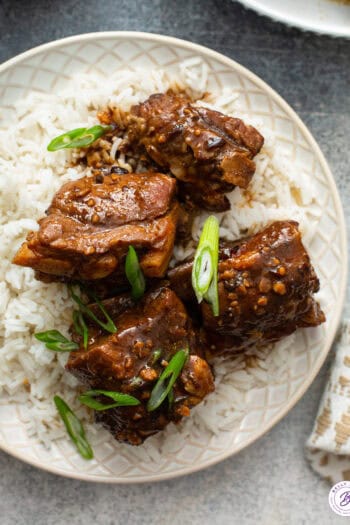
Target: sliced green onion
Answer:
pixel 74 428
pixel 167 379
pixel 134 274
pixel 76 323
pixel 136 382
pixel 205 265
pixel 88 399
pixel 78 138
pixel 80 327
pixel 155 356
pixel 109 325
pixel 56 341
pixel 171 397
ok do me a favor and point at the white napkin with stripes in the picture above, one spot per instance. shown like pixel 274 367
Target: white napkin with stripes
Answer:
pixel 328 447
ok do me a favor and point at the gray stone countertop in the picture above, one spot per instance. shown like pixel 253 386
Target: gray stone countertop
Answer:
pixel 269 482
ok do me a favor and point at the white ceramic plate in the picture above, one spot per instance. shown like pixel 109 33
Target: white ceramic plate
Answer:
pixel 46 69
pixel 331 17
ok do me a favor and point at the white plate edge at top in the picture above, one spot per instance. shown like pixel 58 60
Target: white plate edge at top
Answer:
pixel 331 30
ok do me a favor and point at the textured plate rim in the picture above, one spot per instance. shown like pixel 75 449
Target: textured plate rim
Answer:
pixel 164 39
pixel 292 22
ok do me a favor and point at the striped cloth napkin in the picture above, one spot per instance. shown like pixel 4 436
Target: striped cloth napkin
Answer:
pixel 328 447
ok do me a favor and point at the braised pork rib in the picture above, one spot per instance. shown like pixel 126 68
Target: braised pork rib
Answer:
pixel 208 152
pixel 92 221
pixel 266 287
pixel 130 361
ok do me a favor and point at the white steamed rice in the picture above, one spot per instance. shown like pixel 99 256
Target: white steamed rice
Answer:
pixel 30 375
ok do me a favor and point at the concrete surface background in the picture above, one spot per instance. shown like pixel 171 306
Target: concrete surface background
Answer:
pixel 270 482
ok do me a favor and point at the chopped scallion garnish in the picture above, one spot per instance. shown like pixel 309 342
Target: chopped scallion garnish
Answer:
pixel 171 397
pixel 167 379
pixel 136 382
pixel 74 428
pixel 134 274
pixel 88 399
pixel 78 138
pixel 205 265
pixel 108 325
pixel 155 356
pixel 80 327
pixel 56 341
